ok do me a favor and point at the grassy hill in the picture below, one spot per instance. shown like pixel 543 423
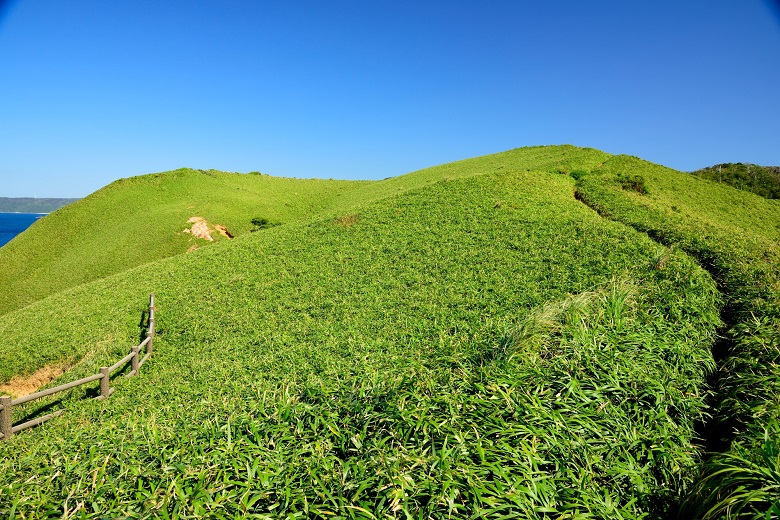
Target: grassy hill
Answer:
pixel 468 340
pixel 761 180
pixel 142 219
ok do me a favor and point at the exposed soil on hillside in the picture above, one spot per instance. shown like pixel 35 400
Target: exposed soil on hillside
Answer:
pixel 223 230
pixel 200 229
pixel 20 386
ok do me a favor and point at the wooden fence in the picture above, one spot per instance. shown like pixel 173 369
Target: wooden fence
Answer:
pixel 7 429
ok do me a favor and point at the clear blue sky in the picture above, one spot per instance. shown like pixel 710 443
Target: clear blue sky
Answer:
pixel 95 90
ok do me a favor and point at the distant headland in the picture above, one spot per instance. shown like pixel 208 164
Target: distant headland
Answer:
pixel 31 204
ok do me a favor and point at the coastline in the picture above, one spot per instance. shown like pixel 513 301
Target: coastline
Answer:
pixel 12 224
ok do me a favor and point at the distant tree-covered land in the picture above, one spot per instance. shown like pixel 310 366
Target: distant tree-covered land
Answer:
pixel 761 180
pixel 31 205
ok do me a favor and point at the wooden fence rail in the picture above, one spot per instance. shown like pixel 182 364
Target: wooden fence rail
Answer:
pixel 7 429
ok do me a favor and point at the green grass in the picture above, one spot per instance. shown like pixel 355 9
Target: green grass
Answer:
pixel 469 340
pixel 735 235
pixel 676 199
pixel 139 220
pixel 484 345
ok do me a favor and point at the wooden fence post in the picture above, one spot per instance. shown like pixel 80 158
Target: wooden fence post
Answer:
pixel 6 423
pixel 134 361
pixel 6 402
pixel 150 332
pixel 104 390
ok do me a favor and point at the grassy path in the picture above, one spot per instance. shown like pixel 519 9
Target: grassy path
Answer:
pixel 741 476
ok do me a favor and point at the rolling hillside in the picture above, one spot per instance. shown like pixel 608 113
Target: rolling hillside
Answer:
pixel 736 237
pixel 142 219
pixel 528 334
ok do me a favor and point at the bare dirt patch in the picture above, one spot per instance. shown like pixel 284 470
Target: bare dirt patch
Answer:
pixel 200 229
pixel 20 386
pixel 223 230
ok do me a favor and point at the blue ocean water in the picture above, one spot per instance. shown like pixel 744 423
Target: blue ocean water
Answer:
pixel 11 224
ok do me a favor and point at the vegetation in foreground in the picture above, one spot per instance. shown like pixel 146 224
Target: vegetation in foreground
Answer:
pixel 735 236
pixel 480 345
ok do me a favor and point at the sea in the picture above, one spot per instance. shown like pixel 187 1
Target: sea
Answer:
pixel 11 224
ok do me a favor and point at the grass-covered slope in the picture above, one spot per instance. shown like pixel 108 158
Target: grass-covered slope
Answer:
pixel 481 345
pixel 142 219
pixel 735 235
